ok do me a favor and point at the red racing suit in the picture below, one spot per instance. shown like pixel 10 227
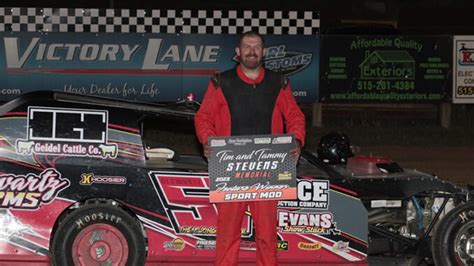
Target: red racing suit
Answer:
pixel 214 119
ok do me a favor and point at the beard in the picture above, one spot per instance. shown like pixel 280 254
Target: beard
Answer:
pixel 251 61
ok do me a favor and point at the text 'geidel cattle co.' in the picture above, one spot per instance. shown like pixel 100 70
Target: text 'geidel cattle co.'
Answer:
pixel 68 132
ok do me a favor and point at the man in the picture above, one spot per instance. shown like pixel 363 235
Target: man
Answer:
pixel 248 100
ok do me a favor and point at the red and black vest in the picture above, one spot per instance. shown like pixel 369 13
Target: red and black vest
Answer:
pixel 250 105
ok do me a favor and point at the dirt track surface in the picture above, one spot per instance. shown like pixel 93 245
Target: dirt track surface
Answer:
pixel 455 164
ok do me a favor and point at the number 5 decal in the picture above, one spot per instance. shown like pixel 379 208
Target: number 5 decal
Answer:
pixel 185 198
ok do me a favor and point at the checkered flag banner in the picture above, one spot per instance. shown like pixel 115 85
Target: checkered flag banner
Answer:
pixel 15 19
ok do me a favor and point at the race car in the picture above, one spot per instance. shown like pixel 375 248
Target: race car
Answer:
pixel 84 182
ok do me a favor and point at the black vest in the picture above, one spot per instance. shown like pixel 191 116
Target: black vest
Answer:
pixel 251 106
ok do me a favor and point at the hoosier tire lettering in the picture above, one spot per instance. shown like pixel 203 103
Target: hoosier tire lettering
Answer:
pixel 83 221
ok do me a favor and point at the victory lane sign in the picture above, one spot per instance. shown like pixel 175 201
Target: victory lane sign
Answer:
pixel 251 168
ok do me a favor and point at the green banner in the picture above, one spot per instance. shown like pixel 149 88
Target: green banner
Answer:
pixel 386 69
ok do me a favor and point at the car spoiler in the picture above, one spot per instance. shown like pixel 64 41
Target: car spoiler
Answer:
pixel 170 109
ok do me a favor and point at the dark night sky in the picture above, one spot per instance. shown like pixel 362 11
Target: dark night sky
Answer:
pixel 337 16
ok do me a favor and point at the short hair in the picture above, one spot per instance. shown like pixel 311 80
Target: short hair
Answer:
pixel 250 33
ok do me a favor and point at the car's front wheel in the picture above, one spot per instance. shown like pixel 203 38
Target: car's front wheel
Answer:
pixel 453 242
pixel 98 234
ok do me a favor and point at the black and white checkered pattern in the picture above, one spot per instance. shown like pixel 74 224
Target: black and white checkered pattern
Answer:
pixel 158 21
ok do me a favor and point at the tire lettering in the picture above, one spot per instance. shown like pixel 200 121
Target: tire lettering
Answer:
pixel 83 221
pixel 463 216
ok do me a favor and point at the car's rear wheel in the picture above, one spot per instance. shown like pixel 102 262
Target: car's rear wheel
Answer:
pixel 99 234
pixel 453 242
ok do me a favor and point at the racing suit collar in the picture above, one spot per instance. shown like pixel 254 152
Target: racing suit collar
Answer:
pixel 248 80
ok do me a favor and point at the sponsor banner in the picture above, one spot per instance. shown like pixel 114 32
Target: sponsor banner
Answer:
pixel 67 132
pixel 146 67
pixel 250 168
pixel 463 69
pixel 386 69
pixel 312 194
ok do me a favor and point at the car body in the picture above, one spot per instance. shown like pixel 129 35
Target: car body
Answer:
pixel 82 181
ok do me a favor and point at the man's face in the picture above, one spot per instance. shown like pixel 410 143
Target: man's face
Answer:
pixel 251 52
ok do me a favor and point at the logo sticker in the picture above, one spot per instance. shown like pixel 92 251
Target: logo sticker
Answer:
pixel 68 132
pixel 309 246
pixel 284 176
pixel 262 140
pixel 205 244
pixel 341 246
pixel 31 190
pixel 176 244
pixel 282 245
pixel 312 194
pixel 466 55
pixel 282 140
pixel 90 178
pixel 305 222
pixel 217 142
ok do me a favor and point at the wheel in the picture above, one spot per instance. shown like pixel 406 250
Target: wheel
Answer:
pixel 453 242
pixel 99 234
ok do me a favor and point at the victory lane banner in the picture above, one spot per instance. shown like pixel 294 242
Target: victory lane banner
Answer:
pixel 252 168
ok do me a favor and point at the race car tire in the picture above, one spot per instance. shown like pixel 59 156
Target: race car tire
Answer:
pixel 99 233
pixel 453 240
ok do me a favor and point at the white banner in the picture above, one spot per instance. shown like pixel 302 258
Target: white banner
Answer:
pixel 463 72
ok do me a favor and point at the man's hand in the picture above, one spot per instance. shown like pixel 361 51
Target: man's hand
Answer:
pixel 296 151
pixel 207 150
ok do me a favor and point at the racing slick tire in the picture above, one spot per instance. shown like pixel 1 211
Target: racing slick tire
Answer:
pixel 99 234
pixel 453 242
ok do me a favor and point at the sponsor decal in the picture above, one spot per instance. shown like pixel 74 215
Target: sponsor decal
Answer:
pixel 240 141
pixel 31 190
pixel 67 132
pixel 340 246
pixel 10 226
pixel 88 179
pixel 286 62
pixel 248 245
pixel 385 203
pixel 185 197
pixel 176 244
pixel 282 245
pixel 305 222
pixel 218 142
pixel 282 61
pixel 262 140
pixel 309 246
pixel 282 140
pixel 466 55
pixel 284 176
pixel 205 244
pixel 198 230
pixel 312 194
